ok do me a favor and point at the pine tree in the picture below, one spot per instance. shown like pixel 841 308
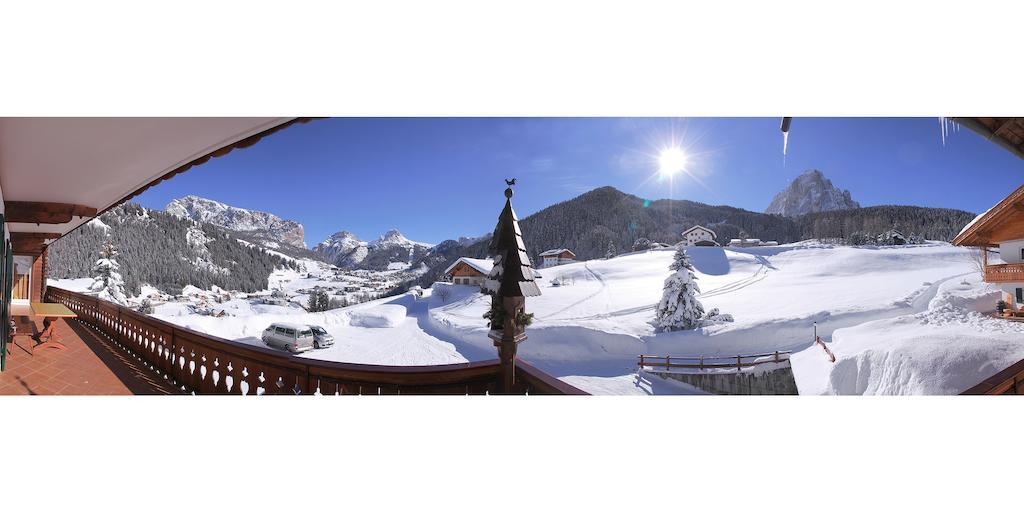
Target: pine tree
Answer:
pixel 679 308
pixel 318 301
pixel 107 281
pixel 610 253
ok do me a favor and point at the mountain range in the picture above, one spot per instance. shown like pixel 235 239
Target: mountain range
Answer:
pixel 590 224
pixel 391 251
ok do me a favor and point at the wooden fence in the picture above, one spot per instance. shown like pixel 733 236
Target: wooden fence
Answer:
pixel 205 364
pixel 738 362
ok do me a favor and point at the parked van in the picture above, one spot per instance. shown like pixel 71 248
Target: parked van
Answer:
pixel 294 338
pixel 321 338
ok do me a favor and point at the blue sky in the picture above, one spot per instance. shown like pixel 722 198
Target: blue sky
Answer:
pixel 438 178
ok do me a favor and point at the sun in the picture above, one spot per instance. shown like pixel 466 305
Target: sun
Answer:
pixel 671 161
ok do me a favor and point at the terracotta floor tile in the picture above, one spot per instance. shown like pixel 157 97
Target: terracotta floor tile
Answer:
pixel 90 365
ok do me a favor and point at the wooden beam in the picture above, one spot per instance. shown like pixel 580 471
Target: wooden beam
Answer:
pixel 27 246
pixel 32 212
pixel 1007 122
pixel 24 235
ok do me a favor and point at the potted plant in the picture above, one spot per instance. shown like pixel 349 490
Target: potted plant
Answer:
pixel 1001 306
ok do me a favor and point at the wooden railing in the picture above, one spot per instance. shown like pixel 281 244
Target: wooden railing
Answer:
pixel 738 362
pixel 205 364
pixel 1004 273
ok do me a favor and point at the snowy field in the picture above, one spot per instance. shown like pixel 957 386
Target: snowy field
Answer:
pixel 900 320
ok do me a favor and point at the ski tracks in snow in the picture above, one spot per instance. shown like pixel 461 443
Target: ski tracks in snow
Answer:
pixel 602 290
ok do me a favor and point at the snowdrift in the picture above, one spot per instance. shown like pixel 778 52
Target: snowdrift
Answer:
pixel 384 315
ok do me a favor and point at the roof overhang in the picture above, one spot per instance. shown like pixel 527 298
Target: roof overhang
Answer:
pixel 1007 132
pixel 57 173
pixel 1004 221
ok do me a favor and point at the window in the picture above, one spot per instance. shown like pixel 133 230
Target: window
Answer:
pixel 1020 295
pixel 280 330
pixel 1022 253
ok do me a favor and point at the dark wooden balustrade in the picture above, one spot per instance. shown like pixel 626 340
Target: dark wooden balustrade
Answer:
pixel 1004 273
pixel 205 364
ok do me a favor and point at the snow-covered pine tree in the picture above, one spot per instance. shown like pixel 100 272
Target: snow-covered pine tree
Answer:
pixel 318 301
pixel 679 308
pixel 610 253
pixel 107 282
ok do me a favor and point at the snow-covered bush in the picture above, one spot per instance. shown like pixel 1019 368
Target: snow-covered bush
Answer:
pixel 714 317
pixel 641 244
pixel 679 308
pixel 107 281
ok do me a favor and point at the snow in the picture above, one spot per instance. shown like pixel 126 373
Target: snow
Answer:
pixel 384 315
pixel 945 349
pixel 79 284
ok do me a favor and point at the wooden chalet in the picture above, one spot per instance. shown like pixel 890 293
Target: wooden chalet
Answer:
pixel 699 236
pixel 555 257
pixel 1000 231
pixel 468 271
pixel 58 173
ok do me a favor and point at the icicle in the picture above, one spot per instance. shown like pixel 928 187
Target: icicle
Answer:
pixel 785 144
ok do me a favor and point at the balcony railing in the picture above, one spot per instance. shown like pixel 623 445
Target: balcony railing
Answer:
pixel 205 364
pixel 1004 273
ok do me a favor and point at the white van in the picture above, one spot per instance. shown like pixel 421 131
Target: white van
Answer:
pixel 294 338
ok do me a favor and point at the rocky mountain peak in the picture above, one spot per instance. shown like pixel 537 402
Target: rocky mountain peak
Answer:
pixel 808 193
pixel 260 224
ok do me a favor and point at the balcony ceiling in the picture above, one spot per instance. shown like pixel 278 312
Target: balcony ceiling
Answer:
pixel 1007 132
pixel 99 162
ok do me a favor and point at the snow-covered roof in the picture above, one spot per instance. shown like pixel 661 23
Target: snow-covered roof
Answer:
pixel 745 240
pixel 555 252
pixel 981 230
pixel 698 226
pixel 482 266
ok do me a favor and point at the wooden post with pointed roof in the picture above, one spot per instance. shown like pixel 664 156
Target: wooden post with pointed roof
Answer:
pixel 511 280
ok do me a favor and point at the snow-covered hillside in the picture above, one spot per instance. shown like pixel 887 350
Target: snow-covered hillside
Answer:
pixel 899 319
pixel 808 193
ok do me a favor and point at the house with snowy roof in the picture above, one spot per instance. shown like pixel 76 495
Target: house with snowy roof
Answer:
pixel 468 271
pixel 556 257
pixel 1001 231
pixel 699 235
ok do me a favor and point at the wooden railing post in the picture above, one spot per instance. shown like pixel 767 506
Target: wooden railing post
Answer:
pixel 739 363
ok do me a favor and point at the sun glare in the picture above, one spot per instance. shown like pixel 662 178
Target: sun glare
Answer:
pixel 671 161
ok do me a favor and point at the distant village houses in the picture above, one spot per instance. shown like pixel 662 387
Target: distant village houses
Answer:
pixel 744 241
pixel 468 271
pixel 699 235
pixel 556 257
